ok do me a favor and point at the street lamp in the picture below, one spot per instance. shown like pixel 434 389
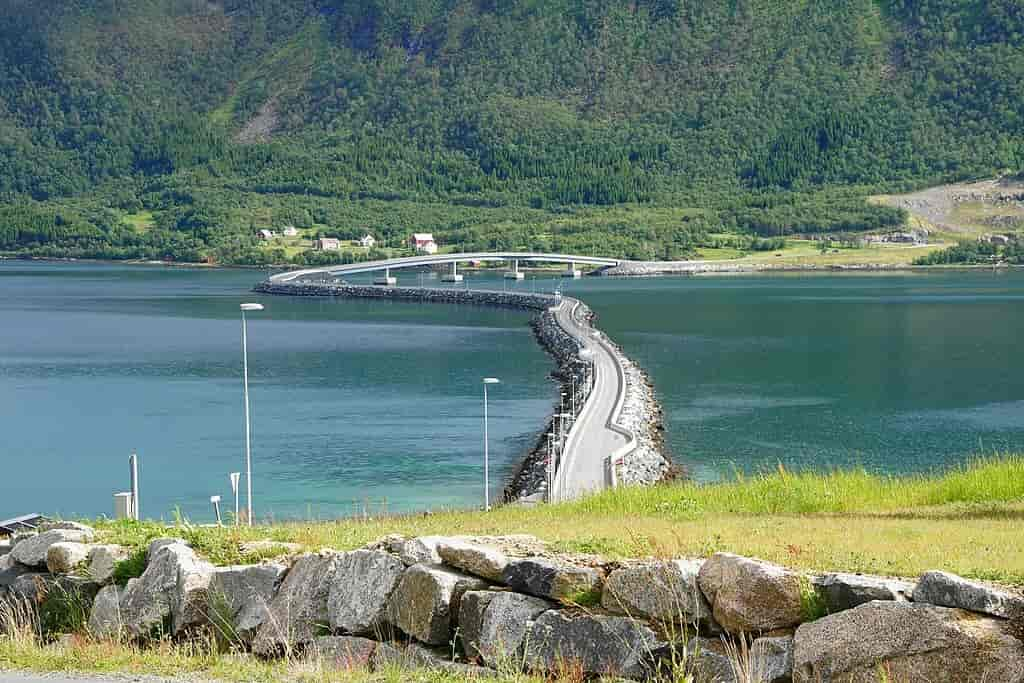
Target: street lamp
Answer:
pixel 235 476
pixel 248 431
pixel 487 482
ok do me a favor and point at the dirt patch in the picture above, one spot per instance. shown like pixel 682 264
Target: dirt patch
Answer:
pixel 966 208
pixel 262 126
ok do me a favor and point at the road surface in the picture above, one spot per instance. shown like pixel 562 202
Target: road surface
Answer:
pixel 592 440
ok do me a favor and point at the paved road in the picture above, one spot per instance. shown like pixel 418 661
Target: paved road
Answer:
pixel 583 467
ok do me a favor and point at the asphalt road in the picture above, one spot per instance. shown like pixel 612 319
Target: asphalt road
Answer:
pixel 583 464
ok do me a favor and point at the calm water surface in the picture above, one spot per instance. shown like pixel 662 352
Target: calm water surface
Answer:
pixel 377 401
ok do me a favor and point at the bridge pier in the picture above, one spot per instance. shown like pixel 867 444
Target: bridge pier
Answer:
pixel 514 274
pixel 572 272
pixel 387 280
pixel 453 276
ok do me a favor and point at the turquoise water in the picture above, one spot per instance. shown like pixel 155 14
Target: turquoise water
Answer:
pixel 359 402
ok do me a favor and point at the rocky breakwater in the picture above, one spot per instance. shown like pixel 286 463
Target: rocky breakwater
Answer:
pixel 474 605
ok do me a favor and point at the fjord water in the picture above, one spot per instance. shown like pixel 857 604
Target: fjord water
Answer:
pixel 360 400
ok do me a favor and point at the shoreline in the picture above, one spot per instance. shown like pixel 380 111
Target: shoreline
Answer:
pixel 646 463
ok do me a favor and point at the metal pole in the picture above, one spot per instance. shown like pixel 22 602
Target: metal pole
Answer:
pixel 133 464
pixel 573 377
pixel 487 485
pixel 248 440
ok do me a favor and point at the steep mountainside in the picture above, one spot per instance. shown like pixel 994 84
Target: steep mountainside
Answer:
pixel 177 128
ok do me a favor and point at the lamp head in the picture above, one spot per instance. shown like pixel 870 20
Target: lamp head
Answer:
pixel 214 499
pixel 492 380
pixel 251 307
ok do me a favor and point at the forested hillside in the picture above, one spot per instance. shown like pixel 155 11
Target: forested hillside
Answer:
pixel 178 128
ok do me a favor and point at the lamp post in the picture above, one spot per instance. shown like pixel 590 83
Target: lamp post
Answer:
pixel 235 476
pixel 487 482
pixel 248 431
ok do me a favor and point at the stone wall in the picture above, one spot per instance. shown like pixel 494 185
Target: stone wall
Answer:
pixel 473 605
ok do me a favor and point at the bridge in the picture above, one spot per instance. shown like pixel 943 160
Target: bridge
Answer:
pixel 424 260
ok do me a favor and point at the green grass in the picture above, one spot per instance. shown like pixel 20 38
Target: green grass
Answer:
pixel 141 221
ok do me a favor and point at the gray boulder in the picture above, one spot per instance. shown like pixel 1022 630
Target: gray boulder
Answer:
pixel 664 591
pixel 479 560
pixel 750 596
pixel 771 660
pixel 426 602
pixel 950 590
pixel 240 597
pixel 421 550
pixel 552 579
pixel 600 645
pixel 103 560
pixel 5 547
pixel 105 616
pixel 362 586
pixel 30 587
pixel 171 594
pixel 493 625
pixel 845 591
pixel 65 557
pixel 66 526
pixel 9 572
pixel 298 613
pixel 343 652
pixel 158 543
pixel 32 551
pixel 911 642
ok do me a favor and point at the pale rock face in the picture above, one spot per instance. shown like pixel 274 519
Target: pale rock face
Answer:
pixel 363 584
pixel 65 557
pixel 473 558
pixel 913 642
pixel 103 560
pixel 421 550
pixel 268 547
pixel 493 624
pixel 600 645
pixel 298 613
pixel 426 602
pixel 664 591
pixel 171 592
pixel 240 597
pixel 846 591
pixel 32 551
pixel 105 617
pixel 750 596
pixel 552 579
pixel 158 543
pixel 949 590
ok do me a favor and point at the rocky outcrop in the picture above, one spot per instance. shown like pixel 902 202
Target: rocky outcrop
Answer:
pixel 493 625
pixel 597 645
pixel 362 587
pixel 664 591
pixel 547 578
pixel 480 560
pixel 751 596
pixel 908 641
pixel 171 596
pixel 32 551
pixel 950 590
pixel 845 591
pixel 240 598
pixel 426 601
pixel 298 612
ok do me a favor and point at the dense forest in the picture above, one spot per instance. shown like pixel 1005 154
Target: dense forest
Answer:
pixel 635 128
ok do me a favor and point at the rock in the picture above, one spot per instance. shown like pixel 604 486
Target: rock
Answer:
pixel 5 548
pixel 553 579
pixel 158 543
pixel 750 596
pixel 65 557
pixel 846 591
pixel 66 526
pixel 363 583
pixel 103 560
pixel 421 550
pixel 475 559
pixel 268 548
pixel 240 597
pixel 9 572
pixel 298 613
pixel 664 591
pixel 31 551
pixel 30 587
pixel 911 642
pixel 494 624
pixel 415 656
pixel 105 617
pixel 426 602
pixel 343 652
pixel 772 660
pixel 950 590
pixel 599 645
pixel 170 594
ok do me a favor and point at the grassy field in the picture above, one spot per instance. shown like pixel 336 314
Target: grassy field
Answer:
pixel 802 253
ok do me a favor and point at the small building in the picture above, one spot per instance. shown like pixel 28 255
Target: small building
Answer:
pixel 423 243
pixel 290 231
pixel 998 240
pixel 327 244
pixel 266 235
pixel 367 241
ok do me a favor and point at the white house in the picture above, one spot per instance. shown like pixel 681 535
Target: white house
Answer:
pixel 367 241
pixel 423 243
pixel 266 235
pixel 290 231
pixel 327 244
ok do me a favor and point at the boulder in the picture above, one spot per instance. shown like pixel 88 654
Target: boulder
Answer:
pixel 66 526
pixel 664 591
pixel 362 586
pixel 552 579
pixel 343 652
pixel 103 560
pixel 171 594
pixel 158 543
pixel 298 613
pixel 750 596
pixel 598 645
pixel 414 656
pixel 105 617
pixel 845 591
pixel 494 624
pixel 240 597
pixel 32 551
pixel 30 587
pixel 5 547
pixel 950 590
pixel 426 602
pixel 65 557
pixel 479 560
pixel 268 548
pixel 771 660
pixel 910 642
pixel 421 550
pixel 9 572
